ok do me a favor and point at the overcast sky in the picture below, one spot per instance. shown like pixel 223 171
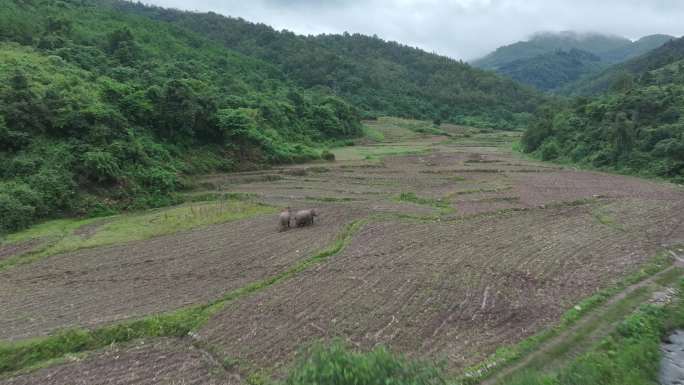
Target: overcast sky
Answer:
pixel 463 29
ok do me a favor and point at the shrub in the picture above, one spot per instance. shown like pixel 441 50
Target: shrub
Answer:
pixel 13 214
pixel 549 150
pixel 101 166
pixel 56 186
pixel 337 365
pixel 327 155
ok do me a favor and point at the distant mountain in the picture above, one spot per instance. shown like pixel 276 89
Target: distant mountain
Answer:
pixel 637 48
pixel 533 61
pixel 650 67
pixel 630 120
pixel 549 71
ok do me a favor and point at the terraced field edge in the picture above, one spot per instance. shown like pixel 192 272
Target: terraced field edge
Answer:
pixel 34 353
pixel 508 355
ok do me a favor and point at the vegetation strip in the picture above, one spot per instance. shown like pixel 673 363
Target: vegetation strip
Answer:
pixel 24 354
pixel 508 355
pixel 629 355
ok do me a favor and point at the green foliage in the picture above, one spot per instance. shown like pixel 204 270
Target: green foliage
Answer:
pixel 630 356
pixel 335 364
pixel 555 61
pixel 637 128
pixel 657 67
pixel 442 205
pixel 549 150
pixel 379 78
pixel 327 155
pixel 102 109
pixel 552 70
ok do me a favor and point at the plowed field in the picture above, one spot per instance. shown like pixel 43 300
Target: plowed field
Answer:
pixel 464 247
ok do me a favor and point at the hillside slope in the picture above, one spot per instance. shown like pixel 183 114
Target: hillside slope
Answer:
pixel 379 77
pixel 636 127
pixel 622 75
pixel 550 71
pixel 549 61
pixel 103 110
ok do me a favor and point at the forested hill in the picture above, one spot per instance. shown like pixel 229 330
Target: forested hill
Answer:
pixel 553 61
pixel 610 49
pixel 623 75
pixel 108 105
pixel 102 110
pixel 635 126
pixel 378 77
pixel 552 70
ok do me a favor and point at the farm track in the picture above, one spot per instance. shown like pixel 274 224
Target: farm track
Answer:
pixel 524 242
pixel 582 342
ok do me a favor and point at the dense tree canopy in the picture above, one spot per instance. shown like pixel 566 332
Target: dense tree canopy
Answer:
pixel 376 76
pixel 554 61
pixel 637 126
pixel 101 109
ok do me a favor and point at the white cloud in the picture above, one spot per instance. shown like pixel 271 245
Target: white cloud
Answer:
pixel 463 29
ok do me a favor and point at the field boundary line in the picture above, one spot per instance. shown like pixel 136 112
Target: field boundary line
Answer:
pixel 511 358
pixel 24 355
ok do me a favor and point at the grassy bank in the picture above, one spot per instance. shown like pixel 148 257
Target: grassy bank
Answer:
pixel 67 235
pixel 630 355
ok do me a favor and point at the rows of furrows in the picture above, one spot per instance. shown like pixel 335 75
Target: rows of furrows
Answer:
pixel 456 290
pixel 91 287
pixel 161 362
pixel 11 250
pixel 558 186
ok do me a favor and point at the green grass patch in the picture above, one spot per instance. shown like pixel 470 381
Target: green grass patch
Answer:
pixel 330 199
pixel 377 152
pixel 21 355
pixel 337 364
pixel 132 227
pixel 411 197
pixel 372 133
pixel 606 219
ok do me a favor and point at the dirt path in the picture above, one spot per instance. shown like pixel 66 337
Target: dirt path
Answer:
pixel 590 329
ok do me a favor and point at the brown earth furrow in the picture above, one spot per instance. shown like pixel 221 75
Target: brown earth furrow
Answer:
pixel 159 362
pixel 408 288
pixel 457 288
pixel 96 286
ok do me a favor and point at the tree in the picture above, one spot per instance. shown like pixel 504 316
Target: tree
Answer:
pixel 122 47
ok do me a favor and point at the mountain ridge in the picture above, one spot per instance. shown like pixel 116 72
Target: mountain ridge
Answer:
pixel 540 63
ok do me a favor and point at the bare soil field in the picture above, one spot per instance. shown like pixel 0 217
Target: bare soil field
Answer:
pixel 466 247
pixel 98 286
pixel 13 250
pixel 164 362
pixel 454 290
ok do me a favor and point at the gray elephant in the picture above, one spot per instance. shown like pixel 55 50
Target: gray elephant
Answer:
pixel 284 219
pixel 305 217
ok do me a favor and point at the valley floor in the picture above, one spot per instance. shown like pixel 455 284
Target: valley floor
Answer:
pixel 440 247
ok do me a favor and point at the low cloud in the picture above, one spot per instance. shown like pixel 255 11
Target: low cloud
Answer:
pixel 463 29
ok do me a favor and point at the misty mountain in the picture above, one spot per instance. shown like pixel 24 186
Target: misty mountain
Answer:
pixel 660 65
pixel 611 49
pixel 549 71
pixel 551 60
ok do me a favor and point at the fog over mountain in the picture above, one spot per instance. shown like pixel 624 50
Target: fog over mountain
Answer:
pixel 463 29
